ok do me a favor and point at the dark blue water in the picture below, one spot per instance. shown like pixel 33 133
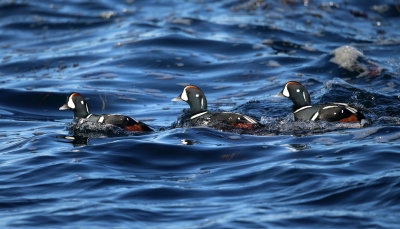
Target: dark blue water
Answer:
pixel 133 57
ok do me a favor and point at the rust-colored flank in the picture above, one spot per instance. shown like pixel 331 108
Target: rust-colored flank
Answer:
pixel 246 126
pixel 135 127
pixel 351 118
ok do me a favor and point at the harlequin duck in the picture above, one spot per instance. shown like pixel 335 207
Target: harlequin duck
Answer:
pixel 200 116
pixel 79 106
pixel 304 111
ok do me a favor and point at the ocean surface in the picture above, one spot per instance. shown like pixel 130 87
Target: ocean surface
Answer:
pixel 132 57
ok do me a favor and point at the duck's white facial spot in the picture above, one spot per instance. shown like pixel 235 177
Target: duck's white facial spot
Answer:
pixel 184 96
pixel 298 90
pixel 197 95
pixel 286 92
pixel 71 103
pixel 82 102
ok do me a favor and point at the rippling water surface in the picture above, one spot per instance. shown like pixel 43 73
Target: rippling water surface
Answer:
pixel 132 57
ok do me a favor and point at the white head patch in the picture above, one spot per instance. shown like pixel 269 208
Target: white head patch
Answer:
pixel 71 103
pixel 286 92
pixel 184 96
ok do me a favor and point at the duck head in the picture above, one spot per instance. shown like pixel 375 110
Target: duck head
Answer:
pixel 195 97
pixel 77 104
pixel 297 93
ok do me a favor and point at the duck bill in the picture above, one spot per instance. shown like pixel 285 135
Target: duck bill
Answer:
pixel 177 99
pixel 64 107
pixel 280 94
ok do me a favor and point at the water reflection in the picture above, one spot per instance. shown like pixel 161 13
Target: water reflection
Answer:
pixel 76 140
pixel 296 147
pixel 188 142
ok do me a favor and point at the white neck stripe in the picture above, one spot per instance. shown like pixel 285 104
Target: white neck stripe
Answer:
pixel 301 108
pixel 198 115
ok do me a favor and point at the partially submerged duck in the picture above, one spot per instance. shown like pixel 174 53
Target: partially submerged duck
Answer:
pixel 201 116
pixel 79 106
pixel 304 111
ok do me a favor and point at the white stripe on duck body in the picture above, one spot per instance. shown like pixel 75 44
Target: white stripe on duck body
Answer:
pixel 304 111
pixel 201 116
pixel 77 103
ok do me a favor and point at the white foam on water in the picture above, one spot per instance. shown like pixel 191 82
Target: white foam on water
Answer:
pixel 350 58
pixel 346 57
